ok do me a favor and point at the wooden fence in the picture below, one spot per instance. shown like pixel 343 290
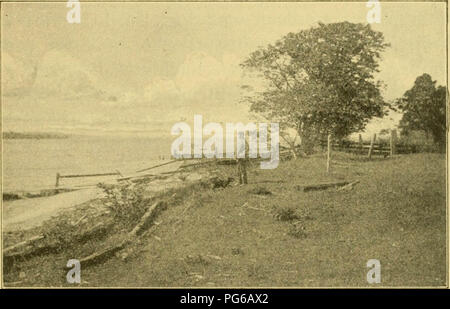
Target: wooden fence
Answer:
pixel 378 148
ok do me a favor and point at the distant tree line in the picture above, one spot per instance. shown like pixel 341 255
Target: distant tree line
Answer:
pixel 40 135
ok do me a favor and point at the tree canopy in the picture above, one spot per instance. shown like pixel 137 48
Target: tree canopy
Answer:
pixel 424 109
pixel 320 80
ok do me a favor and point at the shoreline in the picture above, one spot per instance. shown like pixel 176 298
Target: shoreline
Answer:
pixel 153 186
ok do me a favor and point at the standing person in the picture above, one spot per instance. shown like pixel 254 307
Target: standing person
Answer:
pixel 242 170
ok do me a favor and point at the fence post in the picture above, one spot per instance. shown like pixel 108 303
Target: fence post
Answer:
pixel 57 180
pixel 393 141
pixel 360 144
pixel 372 141
pixel 329 153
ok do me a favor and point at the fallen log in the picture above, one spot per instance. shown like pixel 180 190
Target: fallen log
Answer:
pixel 29 248
pixel 104 254
pixel 349 186
pixel 29 251
pixel 322 186
pixel 146 218
pixel 23 244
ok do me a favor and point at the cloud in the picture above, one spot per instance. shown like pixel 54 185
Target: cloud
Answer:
pixel 59 75
pixel 161 88
pixel 68 94
pixel 202 85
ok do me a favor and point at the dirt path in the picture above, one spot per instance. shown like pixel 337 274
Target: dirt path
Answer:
pixel 28 213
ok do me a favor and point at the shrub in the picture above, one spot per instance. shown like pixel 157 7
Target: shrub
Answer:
pixel 286 214
pixel 126 203
pixel 60 232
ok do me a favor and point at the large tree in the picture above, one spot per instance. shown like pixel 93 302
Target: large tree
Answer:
pixel 319 81
pixel 424 109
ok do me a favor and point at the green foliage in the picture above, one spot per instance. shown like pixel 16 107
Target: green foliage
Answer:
pixel 60 232
pixel 320 80
pixel 126 202
pixel 418 141
pixel 424 108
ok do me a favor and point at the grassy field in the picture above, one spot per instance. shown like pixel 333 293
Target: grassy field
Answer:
pixel 270 234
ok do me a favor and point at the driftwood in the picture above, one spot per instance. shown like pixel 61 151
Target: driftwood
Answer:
pixel 322 186
pixel 146 218
pixel 28 248
pixel 104 254
pixel 23 244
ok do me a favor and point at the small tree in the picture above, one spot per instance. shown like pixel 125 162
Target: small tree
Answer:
pixel 319 81
pixel 424 109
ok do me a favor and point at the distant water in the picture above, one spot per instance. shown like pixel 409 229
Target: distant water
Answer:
pixel 32 164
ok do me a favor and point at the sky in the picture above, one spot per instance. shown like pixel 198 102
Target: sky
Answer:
pixel 137 68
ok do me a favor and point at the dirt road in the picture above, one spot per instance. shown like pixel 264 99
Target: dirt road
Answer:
pixel 28 213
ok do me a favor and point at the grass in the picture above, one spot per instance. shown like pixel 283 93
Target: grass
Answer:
pixel 234 237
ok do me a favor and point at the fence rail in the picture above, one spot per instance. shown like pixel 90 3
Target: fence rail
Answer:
pixel 59 176
pixel 377 148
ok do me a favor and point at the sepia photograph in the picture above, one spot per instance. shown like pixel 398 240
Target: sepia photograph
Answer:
pixel 224 145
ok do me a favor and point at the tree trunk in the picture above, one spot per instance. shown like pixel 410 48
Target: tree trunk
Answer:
pixel 306 143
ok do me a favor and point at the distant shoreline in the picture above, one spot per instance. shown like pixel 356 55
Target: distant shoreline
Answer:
pixel 29 135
